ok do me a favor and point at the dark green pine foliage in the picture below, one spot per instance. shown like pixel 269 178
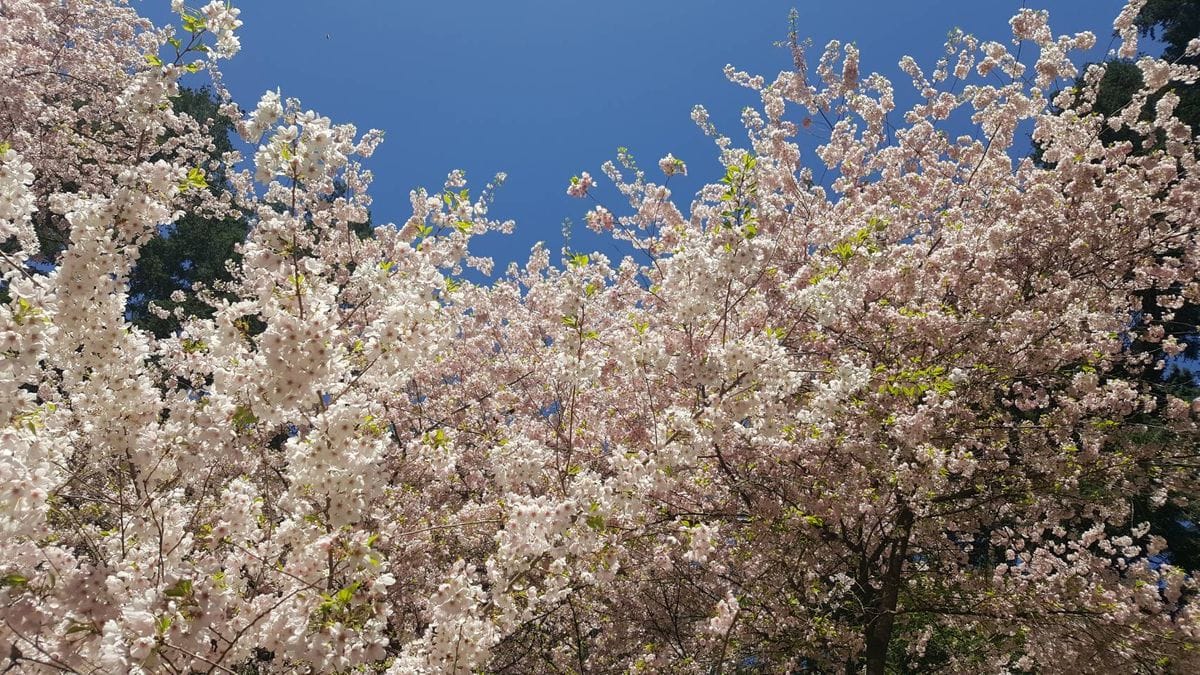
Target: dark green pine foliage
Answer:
pixel 193 250
pixel 1174 22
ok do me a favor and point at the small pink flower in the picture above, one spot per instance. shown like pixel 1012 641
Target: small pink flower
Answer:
pixel 670 165
pixel 580 185
pixel 599 220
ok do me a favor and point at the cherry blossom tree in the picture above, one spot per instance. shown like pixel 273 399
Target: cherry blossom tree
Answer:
pixel 892 422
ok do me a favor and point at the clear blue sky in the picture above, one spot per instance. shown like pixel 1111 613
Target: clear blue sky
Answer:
pixel 544 89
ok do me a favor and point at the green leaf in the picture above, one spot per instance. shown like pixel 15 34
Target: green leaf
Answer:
pixel 192 24
pixel 345 595
pixel 464 226
pixel 195 179
pixel 437 438
pixel 243 418
pixel 181 589
pixel 13 580
pixel 26 311
pixel 844 251
pixel 153 60
pixel 191 346
pixel 80 627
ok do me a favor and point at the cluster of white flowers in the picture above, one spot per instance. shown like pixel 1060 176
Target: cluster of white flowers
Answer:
pixel 459 640
pixel 580 185
pixel 307 149
pixel 727 611
pixel 534 526
pixel 702 542
pixel 16 202
pixel 222 19
pixel 268 111
pixel 1155 72
pixel 671 166
pixel 599 219
pixel 1127 29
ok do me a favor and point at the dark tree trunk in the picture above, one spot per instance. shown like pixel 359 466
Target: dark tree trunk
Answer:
pixel 882 616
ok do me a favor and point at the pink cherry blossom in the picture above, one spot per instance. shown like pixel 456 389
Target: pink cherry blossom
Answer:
pixel 887 420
